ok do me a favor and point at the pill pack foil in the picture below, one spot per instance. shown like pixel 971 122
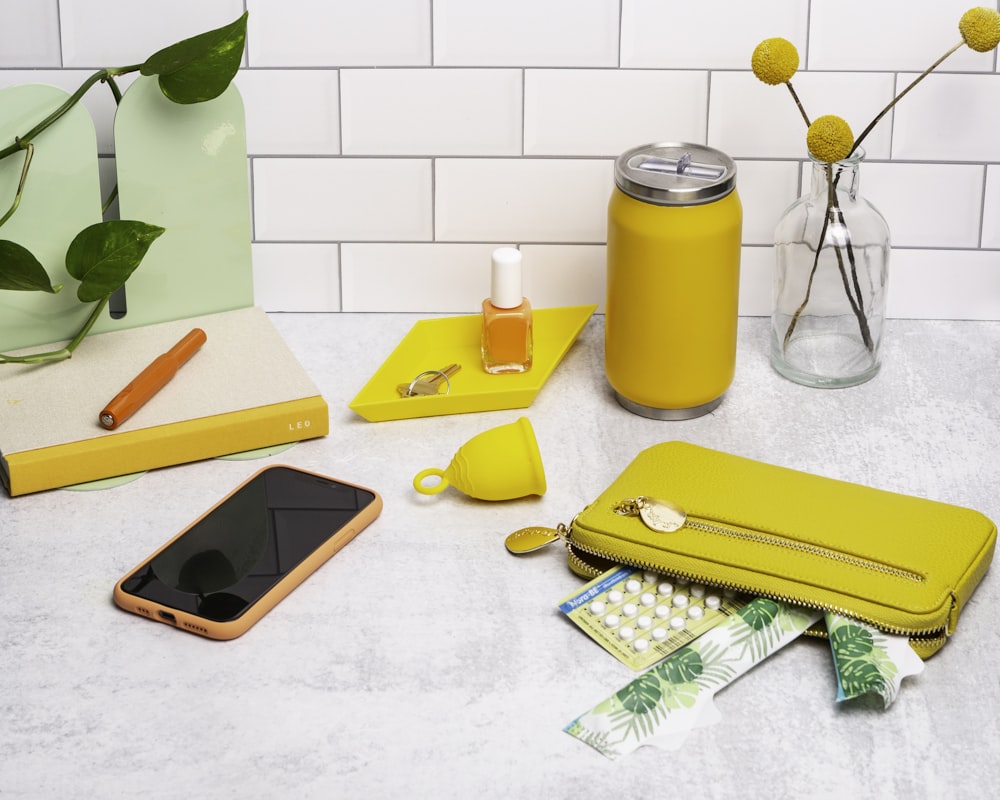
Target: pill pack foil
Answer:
pixel 641 617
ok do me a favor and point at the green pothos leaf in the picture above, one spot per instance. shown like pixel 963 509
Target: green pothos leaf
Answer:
pixel 20 271
pixel 104 255
pixel 202 67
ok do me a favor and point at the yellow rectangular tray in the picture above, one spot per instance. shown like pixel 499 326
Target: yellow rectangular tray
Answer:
pixel 434 343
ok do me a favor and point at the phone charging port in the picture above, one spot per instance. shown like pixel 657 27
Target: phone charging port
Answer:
pixel 166 616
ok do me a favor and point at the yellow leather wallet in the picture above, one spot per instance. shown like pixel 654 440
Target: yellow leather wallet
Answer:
pixel 906 565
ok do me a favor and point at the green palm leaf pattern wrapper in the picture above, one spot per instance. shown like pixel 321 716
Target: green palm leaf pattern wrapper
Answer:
pixel 662 706
pixel 869 662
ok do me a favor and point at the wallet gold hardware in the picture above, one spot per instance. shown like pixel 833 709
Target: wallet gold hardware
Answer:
pixel 906 565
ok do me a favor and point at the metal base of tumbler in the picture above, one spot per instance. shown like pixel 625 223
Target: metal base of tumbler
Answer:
pixel 669 413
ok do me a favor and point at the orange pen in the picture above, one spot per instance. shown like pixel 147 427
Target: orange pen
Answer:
pixel 153 378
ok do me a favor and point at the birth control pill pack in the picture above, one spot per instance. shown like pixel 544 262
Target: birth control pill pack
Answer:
pixel 641 617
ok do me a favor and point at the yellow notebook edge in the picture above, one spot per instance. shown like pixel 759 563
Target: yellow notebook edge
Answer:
pixel 181 442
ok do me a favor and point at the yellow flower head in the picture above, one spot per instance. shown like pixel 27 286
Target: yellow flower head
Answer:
pixel 980 28
pixel 830 139
pixel 774 61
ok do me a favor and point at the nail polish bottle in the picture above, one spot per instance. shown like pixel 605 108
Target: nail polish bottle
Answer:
pixel 507 337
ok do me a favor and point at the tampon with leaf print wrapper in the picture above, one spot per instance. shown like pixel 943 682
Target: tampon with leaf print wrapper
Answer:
pixel 869 662
pixel 663 706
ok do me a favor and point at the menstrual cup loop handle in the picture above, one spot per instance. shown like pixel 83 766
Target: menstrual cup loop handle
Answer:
pixel 427 473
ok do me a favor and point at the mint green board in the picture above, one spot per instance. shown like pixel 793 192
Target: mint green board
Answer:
pixel 62 196
pixel 184 167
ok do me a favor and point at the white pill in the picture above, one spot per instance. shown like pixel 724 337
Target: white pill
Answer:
pixel 650 577
pixel 630 609
pixel 662 612
pixel 713 602
pixel 659 634
pixel 644 623
pixel 647 599
pixel 677 623
pixel 696 612
pixel 680 601
pixel 611 620
pixel 615 597
pixel 625 633
pixel 697 590
pixel 640 645
pixel 632 586
pixel 597 608
pixel 665 589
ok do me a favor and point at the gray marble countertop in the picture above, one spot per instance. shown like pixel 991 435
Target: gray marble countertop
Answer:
pixel 424 661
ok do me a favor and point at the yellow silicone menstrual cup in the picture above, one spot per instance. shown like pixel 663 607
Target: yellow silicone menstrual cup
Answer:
pixel 499 464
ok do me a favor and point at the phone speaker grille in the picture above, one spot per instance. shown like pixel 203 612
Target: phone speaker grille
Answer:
pixel 193 627
pixel 145 611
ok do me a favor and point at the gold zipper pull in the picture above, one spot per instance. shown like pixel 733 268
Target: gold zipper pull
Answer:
pixel 528 540
pixel 661 516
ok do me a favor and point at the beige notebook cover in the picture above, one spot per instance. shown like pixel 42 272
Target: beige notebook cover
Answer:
pixel 242 390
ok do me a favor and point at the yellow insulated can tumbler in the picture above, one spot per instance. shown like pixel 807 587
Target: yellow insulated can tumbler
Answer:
pixel 674 229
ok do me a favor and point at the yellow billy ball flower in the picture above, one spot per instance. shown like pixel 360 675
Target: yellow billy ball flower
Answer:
pixel 830 139
pixel 980 28
pixel 774 61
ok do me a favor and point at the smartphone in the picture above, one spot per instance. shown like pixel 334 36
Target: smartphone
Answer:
pixel 232 565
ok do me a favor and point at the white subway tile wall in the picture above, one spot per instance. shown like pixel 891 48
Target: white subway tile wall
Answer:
pixel 394 143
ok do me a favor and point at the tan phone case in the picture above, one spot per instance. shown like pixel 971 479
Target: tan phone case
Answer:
pixel 231 629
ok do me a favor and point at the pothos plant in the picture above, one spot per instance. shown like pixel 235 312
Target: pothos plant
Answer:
pixel 103 256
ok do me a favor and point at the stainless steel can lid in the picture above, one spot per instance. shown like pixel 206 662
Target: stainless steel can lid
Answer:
pixel 675 174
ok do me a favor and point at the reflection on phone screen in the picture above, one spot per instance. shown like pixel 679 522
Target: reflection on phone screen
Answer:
pixel 231 557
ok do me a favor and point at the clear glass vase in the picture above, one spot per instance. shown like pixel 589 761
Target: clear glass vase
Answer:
pixel 830 282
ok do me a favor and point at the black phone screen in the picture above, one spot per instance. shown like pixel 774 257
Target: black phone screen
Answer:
pixel 231 557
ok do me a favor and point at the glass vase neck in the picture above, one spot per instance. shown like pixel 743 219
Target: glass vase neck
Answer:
pixel 843 174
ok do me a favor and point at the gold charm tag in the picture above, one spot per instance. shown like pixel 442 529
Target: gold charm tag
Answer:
pixel 661 515
pixel 528 540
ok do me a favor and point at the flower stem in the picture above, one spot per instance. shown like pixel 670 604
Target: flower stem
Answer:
pixel 901 95
pixel 855 299
pixel 805 300
pixel 798 103
pixel 812 273
pixel 857 306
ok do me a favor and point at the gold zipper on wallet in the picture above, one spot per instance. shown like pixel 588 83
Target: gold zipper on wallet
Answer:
pixel 663 517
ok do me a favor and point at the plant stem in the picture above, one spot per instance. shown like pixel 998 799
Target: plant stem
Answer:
pixel 857 306
pixel 833 211
pixel 117 94
pixel 805 300
pixel 798 103
pixel 113 86
pixel 110 200
pixel 812 273
pixel 29 151
pixel 64 352
pixel 101 75
pixel 860 308
pixel 901 95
